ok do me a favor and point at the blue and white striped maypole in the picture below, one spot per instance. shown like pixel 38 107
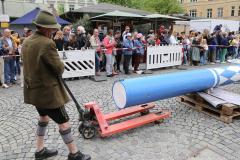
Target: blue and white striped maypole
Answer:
pixel 136 91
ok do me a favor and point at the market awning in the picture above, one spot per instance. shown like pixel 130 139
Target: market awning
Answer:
pixel 161 16
pixel 117 14
pixel 30 16
pixel 102 8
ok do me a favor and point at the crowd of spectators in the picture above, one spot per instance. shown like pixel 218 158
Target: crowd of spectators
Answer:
pixel 204 48
pixel 199 48
pixel 128 47
pixel 10 50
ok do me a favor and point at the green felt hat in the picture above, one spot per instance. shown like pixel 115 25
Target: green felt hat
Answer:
pixel 46 19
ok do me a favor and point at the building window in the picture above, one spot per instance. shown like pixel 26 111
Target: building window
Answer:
pixel 61 1
pixel 51 5
pixel 51 1
pixel 239 11
pixel 71 7
pixel 193 13
pixel 193 0
pixel 81 2
pixel 209 13
pixel 220 12
pixel 233 10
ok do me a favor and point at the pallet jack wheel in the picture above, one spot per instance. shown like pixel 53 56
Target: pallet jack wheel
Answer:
pixel 145 113
pixel 159 121
pixel 88 132
pixel 80 128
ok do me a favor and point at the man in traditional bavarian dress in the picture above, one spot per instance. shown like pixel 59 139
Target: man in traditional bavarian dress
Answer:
pixel 42 88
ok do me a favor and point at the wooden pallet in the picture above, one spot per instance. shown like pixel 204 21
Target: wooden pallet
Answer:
pixel 226 113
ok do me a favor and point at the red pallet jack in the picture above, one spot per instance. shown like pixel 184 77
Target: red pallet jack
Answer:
pixel 92 120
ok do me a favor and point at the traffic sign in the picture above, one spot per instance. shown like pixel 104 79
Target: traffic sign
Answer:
pixel 4 18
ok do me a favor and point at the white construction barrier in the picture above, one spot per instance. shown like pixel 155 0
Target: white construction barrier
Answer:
pixel 164 56
pixel 78 63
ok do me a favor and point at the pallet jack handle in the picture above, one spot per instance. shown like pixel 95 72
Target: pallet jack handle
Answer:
pixel 80 110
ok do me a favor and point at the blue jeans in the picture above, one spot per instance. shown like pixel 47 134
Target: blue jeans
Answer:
pixel 203 57
pixel 17 68
pixel 97 62
pixel 218 53
pixel 185 57
pixel 109 64
pixel 9 70
pixel 235 52
pixel 238 56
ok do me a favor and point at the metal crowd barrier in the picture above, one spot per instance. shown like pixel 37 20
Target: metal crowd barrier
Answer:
pixel 164 56
pixel 78 63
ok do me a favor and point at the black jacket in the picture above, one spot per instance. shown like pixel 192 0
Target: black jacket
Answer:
pixel 59 44
pixel 81 41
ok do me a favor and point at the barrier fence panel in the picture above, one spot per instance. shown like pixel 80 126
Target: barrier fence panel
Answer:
pixel 78 63
pixel 164 56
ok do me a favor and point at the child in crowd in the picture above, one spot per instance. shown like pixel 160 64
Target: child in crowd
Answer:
pixel 138 44
pixel 186 48
pixel 204 52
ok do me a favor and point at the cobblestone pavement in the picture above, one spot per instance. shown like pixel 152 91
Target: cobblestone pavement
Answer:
pixel 186 132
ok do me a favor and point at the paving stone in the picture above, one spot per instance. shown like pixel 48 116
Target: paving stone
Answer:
pixel 179 136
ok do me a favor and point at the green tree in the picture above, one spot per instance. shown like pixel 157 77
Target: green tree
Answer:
pixel 166 6
pixel 120 2
pixel 85 22
pixel 60 9
pixel 159 6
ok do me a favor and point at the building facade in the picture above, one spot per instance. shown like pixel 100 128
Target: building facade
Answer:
pixel 216 9
pixel 17 8
pixel 66 5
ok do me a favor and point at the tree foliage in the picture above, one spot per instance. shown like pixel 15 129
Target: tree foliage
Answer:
pixel 119 2
pixel 84 21
pixel 159 6
pixel 167 7
pixel 60 9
